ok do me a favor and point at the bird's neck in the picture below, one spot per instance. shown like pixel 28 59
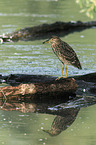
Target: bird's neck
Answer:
pixel 56 43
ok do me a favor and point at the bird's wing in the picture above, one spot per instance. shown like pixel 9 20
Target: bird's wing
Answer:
pixel 67 52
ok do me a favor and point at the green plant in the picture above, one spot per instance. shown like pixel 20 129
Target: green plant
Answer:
pixel 87 6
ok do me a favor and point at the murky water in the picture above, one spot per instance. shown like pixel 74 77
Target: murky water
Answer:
pixel 36 58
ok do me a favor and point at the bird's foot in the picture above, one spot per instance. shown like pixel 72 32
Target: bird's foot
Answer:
pixel 61 78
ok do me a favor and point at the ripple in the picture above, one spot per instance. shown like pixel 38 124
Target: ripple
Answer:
pixel 27 15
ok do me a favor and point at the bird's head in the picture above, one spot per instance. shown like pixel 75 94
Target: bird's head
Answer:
pixel 53 39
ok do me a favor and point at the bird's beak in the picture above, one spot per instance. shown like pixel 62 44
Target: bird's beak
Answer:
pixel 47 41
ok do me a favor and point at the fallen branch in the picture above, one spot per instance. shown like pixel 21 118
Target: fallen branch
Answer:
pixel 40 91
pixel 46 30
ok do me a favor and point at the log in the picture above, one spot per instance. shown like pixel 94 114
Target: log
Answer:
pixel 46 30
pixel 91 77
pixel 41 91
pixel 18 94
pixel 48 86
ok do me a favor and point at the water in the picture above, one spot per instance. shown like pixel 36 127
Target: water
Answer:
pixel 36 58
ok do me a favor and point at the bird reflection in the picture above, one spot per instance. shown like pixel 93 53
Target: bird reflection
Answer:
pixel 61 123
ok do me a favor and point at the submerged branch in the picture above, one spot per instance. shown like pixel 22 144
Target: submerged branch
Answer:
pixel 46 30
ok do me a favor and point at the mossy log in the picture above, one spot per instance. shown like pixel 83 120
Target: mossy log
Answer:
pixel 46 30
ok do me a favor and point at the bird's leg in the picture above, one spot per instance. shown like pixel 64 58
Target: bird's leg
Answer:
pixel 61 73
pixel 66 70
pixel 62 70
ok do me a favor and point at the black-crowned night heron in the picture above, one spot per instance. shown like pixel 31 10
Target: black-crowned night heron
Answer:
pixel 64 52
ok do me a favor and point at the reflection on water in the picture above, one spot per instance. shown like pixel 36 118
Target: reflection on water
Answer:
pixel 61 123
pixel 74 126
pixel 34 128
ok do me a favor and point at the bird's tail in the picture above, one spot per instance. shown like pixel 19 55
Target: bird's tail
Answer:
pixel 78 64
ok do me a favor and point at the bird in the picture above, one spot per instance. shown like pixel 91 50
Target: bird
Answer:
pixel 64 52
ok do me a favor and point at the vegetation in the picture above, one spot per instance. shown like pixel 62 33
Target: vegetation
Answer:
pixel 87 6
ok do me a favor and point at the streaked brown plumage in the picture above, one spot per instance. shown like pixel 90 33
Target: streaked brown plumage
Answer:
pixel 64 52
